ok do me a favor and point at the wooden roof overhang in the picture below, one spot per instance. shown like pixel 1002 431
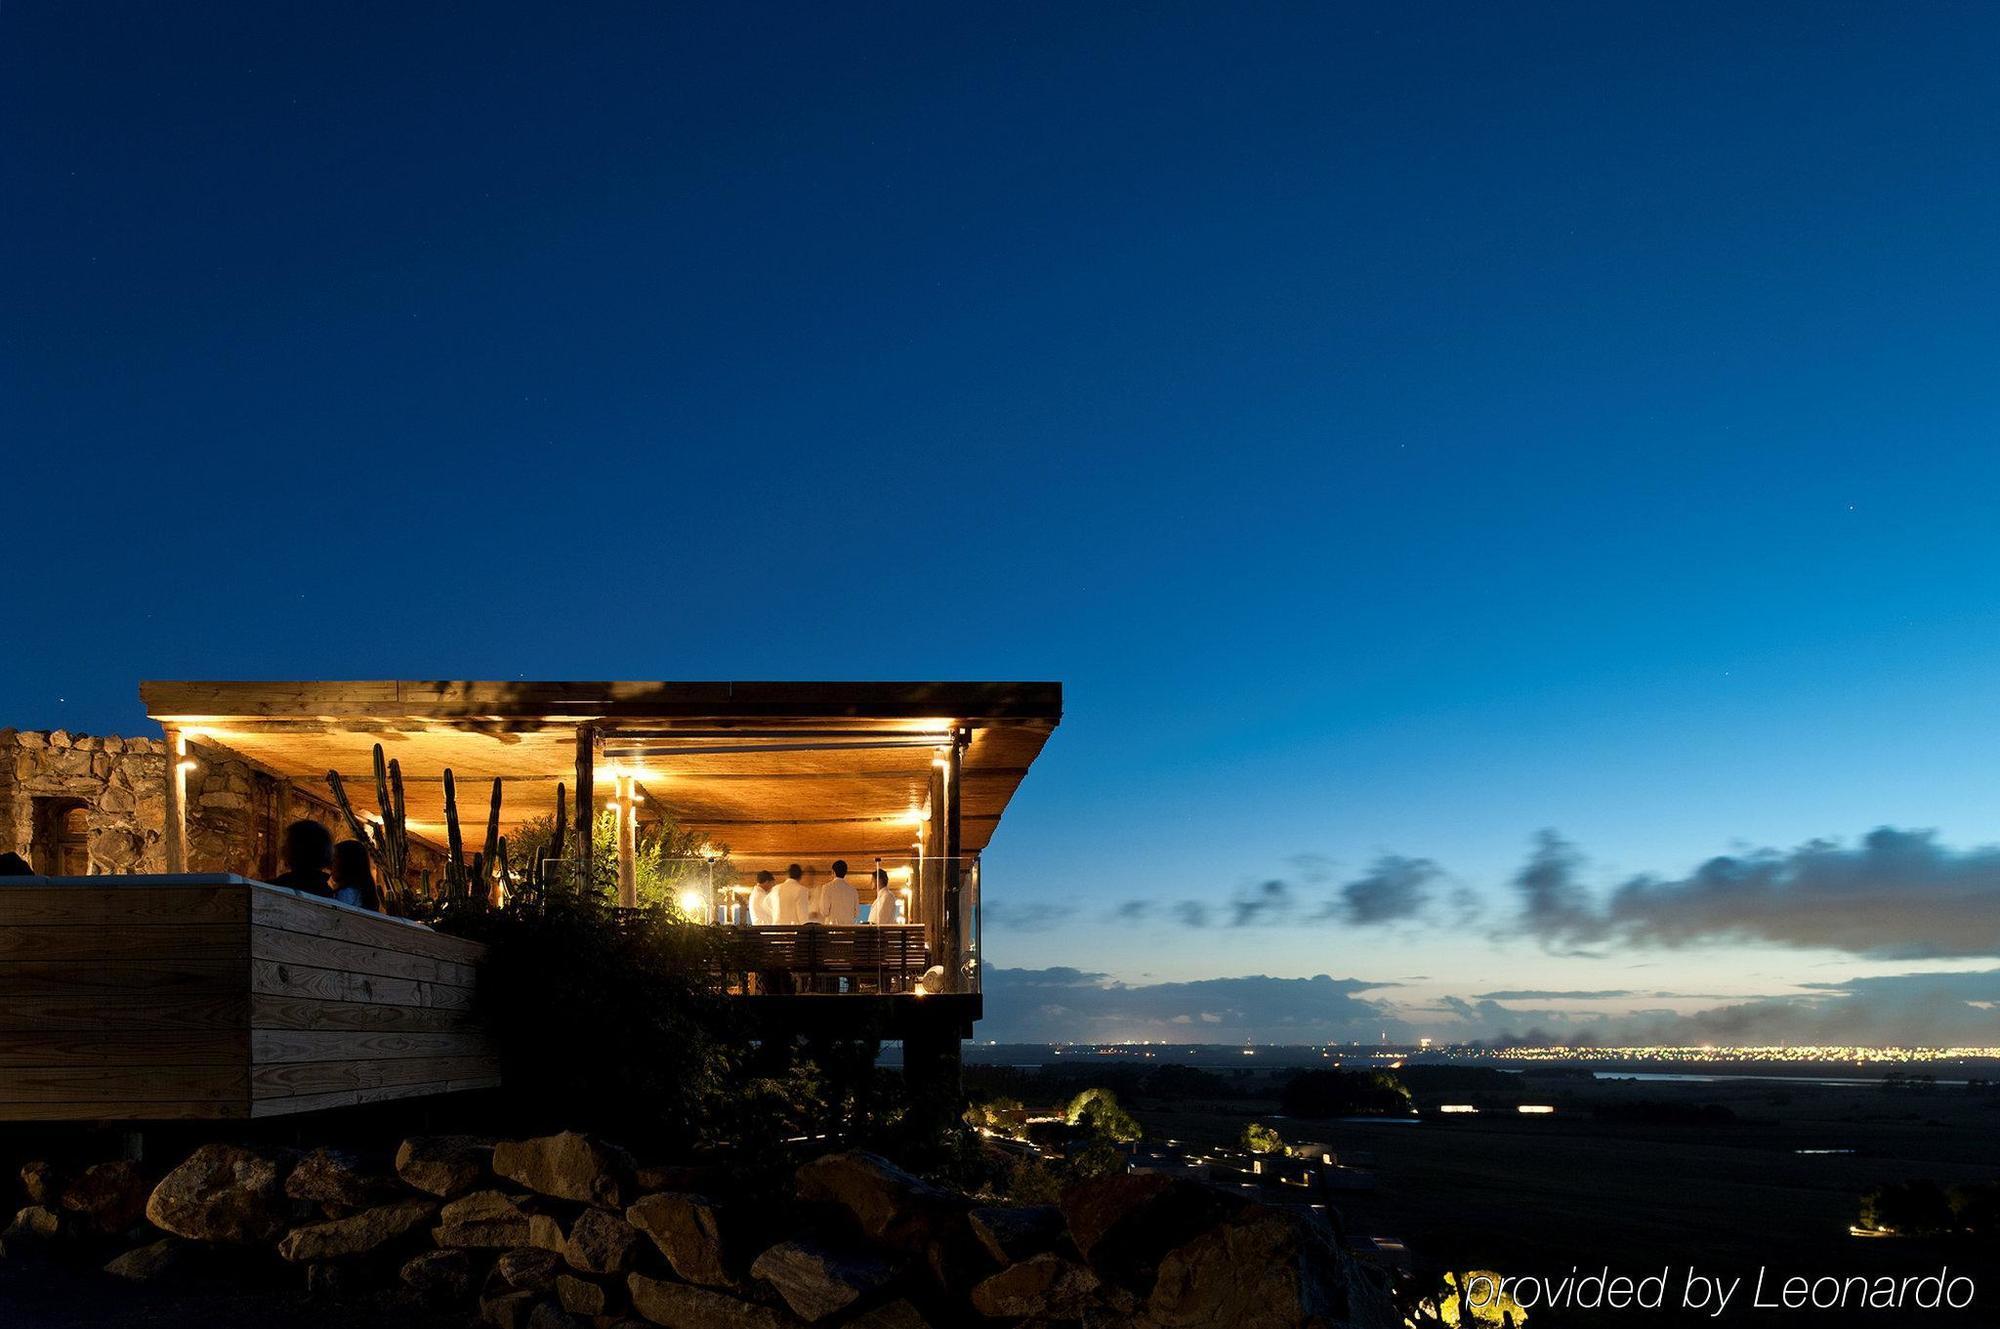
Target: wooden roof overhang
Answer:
pixel 775 771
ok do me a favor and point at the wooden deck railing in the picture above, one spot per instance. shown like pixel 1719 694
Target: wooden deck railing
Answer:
pixel 814 958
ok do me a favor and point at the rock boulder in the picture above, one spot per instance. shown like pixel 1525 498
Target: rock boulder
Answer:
pixel 1042 1287
pixel 688 1231
pixel 336 1182
pixel 529 1269
pixel 150 1263
pixel 224 1193
pixel 817 1281
pixel 889 1205
pixel 493 1220
pixel 568 1166
pixel 1124 1225
pixel 358 1234
pixel 444 1165
pixel 1267 1268
pixel 588 1296
pixel 1010 1234
pixel 898 1314
pixel 109 1197
pixel 41 1182
pixel 509 1310
pixel 601 1243
pixel 678 1306
pixel 439 1278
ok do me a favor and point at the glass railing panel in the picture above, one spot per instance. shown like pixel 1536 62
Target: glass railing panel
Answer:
pixel 932 901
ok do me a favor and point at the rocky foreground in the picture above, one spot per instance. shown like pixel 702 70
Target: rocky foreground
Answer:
pixel 568 1232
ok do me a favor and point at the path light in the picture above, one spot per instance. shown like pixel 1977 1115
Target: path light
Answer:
pixel 691 903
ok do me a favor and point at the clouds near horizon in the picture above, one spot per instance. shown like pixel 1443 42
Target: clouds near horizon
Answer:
pixel 1060 1005
pixel 1895 895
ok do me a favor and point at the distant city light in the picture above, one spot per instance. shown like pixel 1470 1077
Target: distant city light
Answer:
pixel 1535 1109
pixel 1457 1107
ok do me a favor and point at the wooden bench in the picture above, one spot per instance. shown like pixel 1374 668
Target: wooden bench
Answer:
pixel 209 996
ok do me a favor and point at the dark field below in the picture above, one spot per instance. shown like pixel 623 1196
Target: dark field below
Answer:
pixel 1538 1195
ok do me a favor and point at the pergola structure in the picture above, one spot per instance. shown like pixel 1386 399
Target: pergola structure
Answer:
pixel 775 772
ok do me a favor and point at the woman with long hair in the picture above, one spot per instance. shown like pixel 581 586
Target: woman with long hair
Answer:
pixel 354 876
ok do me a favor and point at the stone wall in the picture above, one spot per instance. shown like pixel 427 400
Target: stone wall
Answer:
pixel 236 812
pixel 120 782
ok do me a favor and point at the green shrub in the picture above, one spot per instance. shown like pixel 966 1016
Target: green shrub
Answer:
pixel 1261 1139
pixel 667 858
pixel 1097 1110
pixel 600 1020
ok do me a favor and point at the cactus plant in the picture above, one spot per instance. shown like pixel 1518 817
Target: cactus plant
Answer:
pixel 489 858
pixel 454 864
pixel 388 838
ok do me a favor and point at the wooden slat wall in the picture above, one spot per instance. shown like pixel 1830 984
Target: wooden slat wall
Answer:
pixel 124 1002
pixel 215 998
pixel 348 1007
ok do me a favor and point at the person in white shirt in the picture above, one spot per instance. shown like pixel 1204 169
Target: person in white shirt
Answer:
pixel 792 897
pixel 837 903
pixel 764 901
pixel 888 905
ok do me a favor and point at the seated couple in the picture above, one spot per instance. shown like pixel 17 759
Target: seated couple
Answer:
pixel 316 865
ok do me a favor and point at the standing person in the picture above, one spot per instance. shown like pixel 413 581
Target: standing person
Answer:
pixel 764 901
pixel 354 876
pixel 837 903
pixel 888 906
pixel 308 854
pixel 792 897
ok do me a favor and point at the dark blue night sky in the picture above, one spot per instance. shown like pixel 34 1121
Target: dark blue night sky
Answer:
pixel 1402 429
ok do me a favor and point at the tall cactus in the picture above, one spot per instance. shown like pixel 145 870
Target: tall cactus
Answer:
pixel 454 868
pixel 388 839
pixel 489 859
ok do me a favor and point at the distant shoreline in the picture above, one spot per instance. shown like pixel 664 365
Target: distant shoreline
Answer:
pixel 1860 1066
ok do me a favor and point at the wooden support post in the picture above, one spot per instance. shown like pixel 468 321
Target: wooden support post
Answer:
pixel 931 868
pixel 933 1074
pixel 586 797
pixel 628 845
pixel 175 830
pixel 953 958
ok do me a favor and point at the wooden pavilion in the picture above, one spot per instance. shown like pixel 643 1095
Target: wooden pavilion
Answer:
pixel 297 1003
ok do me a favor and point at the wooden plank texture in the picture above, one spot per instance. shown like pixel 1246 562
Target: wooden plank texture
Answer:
pixel 270 1047
pixel 163 980
pixel 295 1103
pixel 119 1047
pixel 276 908
pixel 31 905
pixel 99 942
pixel 332 953
pixel 37 1012
pixel 268 1011
pixel 132 1109
pixel 300 980
pixel 318 1077
pixel 112 1084
pixel 163 999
